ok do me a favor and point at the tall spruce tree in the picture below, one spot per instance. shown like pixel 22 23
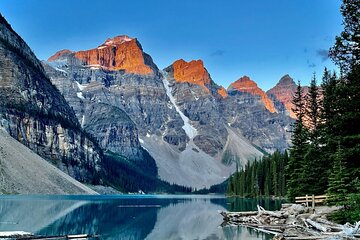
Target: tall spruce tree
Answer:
pixel 283 164
pixel 346 103
pixel 314 170
pixel 338 180
pixel 346 50
pixel 313 103
pixel 294 168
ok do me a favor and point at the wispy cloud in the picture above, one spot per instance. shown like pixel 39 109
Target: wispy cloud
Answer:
pixel 217 53
pixel 310 64
pixel 323 53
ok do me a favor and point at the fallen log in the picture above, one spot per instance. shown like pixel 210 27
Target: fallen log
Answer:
pixel 263 230
pixel 327 222
pixel 318 226
pixel 304 221
pixel 306 237
pixel 239 214
pixel 262 211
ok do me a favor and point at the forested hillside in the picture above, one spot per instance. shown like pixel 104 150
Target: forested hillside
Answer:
pixel 260 178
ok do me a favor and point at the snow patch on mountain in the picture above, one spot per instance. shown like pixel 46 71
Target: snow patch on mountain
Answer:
pixel 190 131
pixel 80 95
pixel 80 86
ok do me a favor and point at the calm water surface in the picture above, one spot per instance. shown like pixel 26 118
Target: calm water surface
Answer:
pixel 128 216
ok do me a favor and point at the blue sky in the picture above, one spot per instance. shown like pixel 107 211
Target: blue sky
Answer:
pixel 260 38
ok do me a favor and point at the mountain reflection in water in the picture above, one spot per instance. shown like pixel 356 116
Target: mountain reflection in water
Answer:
pixel 128 216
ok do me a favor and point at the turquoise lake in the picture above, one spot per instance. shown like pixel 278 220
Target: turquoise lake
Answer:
pixel 129 216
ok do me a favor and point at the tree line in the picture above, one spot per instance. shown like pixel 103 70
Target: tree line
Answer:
pixel 260 178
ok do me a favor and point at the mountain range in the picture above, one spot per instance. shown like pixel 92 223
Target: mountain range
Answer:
pixel 109 115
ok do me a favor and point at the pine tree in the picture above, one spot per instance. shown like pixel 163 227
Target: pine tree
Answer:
pixel 313 111
pixel 346 97
pixel 297 151
pixel 314 174
pixel 274 171
pixel 282 175
pixel 346 51
pixel 230 187
pixel 338 180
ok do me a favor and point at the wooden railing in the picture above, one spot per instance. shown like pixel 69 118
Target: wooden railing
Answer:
pixel 311 199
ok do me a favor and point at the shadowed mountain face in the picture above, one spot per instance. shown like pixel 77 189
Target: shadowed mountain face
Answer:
pixel 194 129
pixel 34 112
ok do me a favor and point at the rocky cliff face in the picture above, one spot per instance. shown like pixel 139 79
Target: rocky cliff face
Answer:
pixel 255 115
pixel 283 91
pixel 140 103
pixel 244 112
pixel 109 125
pixel 246 85
pixel 282 94
pixel 192 72
pixel 34 112
pixel 196 96
pixel 118 53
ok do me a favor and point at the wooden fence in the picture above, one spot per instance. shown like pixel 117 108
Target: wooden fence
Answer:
pixel 311 199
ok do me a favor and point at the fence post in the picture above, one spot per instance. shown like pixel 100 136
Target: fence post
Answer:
pixel 306 200
pixel 313 203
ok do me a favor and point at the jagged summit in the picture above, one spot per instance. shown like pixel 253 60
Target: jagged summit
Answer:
pixel 286 80
pixel 59 55
pixel 245 84
pixel 284 91
pixel 193 72
pixel 117 40
pixel 118 53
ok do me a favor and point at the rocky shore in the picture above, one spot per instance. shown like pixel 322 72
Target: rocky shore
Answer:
pixel 294 222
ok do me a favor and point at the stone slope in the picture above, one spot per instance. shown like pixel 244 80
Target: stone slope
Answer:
pixel 19 172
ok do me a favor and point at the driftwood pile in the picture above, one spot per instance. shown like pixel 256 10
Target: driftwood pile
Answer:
pixel 292 222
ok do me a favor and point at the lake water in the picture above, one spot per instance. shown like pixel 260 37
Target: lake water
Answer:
pixel 128 216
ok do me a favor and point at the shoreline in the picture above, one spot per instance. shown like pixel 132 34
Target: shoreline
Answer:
pixel 293 222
